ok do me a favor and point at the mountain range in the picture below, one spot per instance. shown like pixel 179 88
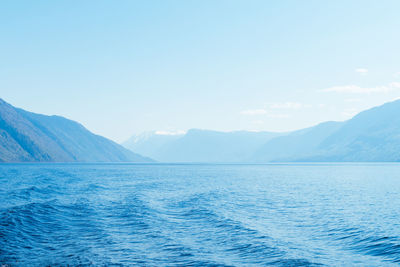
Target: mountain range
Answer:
pixel 199 145
pixel 31 137
pixel 370 136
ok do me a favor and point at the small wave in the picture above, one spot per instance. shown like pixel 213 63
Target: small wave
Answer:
pixel 294 263
pixel 31 192
pixel 49 228
pixel 230 236
pixel 387 247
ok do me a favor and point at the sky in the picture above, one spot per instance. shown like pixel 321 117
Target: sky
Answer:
pixel 124 67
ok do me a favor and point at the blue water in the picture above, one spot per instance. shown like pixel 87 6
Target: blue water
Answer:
pixel 200 215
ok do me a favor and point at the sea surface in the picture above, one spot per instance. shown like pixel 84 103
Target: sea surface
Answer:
pixel 200 215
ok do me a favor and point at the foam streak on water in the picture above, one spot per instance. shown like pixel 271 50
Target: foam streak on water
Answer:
pixel 200 215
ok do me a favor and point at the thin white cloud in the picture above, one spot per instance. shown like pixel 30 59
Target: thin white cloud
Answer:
pixel 362 71
pixel 263 112
pixel 170 132
pixel 288 105
pixel 258 122
pixel 279 116
pixel 353 100
pixel 271 109
pixel 253 112
pixel 348 113
pixel 355 89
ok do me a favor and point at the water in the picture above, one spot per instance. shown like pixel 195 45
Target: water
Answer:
pixel 200 215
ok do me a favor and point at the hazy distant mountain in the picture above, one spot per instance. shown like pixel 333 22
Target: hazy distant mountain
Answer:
pixel 200 145
pixel 150 143
pixel 30 137
pixel 372 135
pixel 299 144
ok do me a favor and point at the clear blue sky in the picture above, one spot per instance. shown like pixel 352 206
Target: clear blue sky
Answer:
pixel 123 67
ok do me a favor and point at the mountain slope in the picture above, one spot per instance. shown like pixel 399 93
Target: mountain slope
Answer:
pixel 372 135
pixel 30 137
pixel 296 145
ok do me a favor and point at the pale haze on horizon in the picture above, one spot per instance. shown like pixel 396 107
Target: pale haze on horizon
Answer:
pixel 124 67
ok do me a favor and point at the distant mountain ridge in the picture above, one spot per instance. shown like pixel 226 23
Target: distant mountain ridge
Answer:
pixel 150 143
pixel 199 145
pixel 31 137
pixel 370 136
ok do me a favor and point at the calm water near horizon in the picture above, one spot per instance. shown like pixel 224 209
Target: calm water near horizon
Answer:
pixel 200 214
